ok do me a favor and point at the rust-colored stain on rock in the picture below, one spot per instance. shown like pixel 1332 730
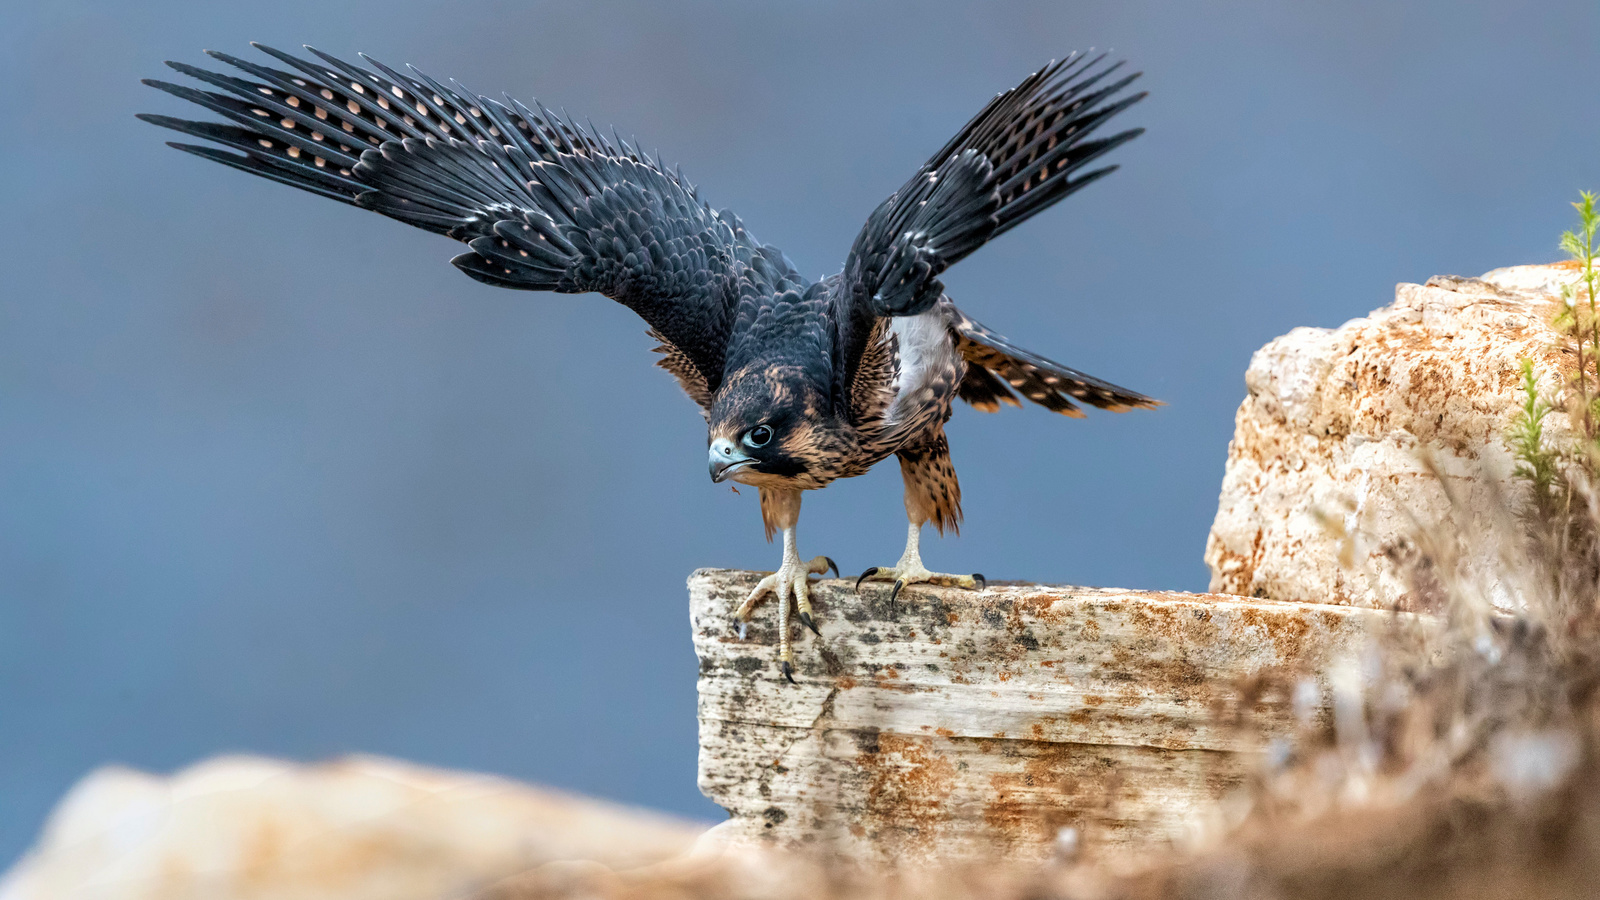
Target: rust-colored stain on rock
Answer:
pixel 1010 727
pixel 1015 818
pixel 908 784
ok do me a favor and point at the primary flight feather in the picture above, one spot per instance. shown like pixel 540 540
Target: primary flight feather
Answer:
pixel 800 382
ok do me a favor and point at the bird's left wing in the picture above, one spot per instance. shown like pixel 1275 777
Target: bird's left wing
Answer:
pixel 544 203
pixel 1023 152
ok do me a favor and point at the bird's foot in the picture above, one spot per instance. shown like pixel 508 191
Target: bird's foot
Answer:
pixel 792 580
pixel 914 573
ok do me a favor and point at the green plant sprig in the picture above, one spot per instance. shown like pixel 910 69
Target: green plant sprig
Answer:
pixel 1548 469
pixel 1536 463
pixel 1584 329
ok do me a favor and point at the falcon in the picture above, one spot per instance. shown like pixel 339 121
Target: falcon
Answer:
pixel 800 382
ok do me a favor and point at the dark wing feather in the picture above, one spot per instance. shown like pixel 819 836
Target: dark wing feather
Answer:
pixel 543 203
pixel 1018 156
pixel 994 362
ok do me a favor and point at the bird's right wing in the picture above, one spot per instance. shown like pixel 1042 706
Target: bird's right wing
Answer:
pixel 545 204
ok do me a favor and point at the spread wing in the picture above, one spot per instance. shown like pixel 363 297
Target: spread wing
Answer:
pixel 1022 153
pixel 543 203
pixel 994 362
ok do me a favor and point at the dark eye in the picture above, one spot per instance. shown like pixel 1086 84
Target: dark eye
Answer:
pixel 758 436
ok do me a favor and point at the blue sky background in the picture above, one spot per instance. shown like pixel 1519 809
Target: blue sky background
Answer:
pixel 274 477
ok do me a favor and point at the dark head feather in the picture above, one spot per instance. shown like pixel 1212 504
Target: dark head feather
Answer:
pixel 806 444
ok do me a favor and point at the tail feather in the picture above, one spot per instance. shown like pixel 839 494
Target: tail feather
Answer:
pixel 983 390
pixel 1043 381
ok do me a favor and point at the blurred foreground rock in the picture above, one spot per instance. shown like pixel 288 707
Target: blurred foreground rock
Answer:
pixel 244 827
pixel 1008 722
pixel 1331 439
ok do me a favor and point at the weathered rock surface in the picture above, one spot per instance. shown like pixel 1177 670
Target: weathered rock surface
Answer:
pixel 244 827
pixel 961 723
pixel 1331 439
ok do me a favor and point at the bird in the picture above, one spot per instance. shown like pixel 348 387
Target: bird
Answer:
pixel 801 382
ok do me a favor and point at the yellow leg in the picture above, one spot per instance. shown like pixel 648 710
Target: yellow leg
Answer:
pixel 909 570
pixel 790 582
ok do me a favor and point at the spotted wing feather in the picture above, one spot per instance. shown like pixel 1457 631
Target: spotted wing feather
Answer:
pixel 543 203
pixel 1022 153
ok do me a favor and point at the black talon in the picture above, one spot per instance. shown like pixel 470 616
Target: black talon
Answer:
pixel 805 619
pixel 983 583
pixel 864 576
pixel 832 565
pixel 898 584
pixel 788 671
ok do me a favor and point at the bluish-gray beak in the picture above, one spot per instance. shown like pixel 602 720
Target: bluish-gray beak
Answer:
pixel 726 459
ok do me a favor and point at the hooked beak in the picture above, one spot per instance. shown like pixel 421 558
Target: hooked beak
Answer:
pixel 726 460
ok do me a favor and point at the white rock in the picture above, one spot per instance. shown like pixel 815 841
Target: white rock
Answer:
pixel 1325 470
pixel 241 828
pixel 962 723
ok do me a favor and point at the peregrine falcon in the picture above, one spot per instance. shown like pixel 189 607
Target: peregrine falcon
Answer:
pixel 800 382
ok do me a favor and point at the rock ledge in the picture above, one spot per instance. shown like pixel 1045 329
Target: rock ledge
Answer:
pixel 960 723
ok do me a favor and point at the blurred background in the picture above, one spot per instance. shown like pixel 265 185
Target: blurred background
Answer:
pixel 275 477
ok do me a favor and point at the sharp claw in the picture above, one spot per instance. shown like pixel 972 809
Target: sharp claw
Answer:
pixel 744 630
pixel 788 671
pixel 899 583
pixel 983 583
pixel 805 619
pixel 864 576
pixel 832 565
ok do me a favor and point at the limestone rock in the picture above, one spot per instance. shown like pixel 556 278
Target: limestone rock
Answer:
pixel 244 827
pixel 961 723
pixel 1325 470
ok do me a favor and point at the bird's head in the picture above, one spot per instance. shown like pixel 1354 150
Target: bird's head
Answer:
pixel 770 427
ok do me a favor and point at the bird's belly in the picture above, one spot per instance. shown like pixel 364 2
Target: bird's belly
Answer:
pixel 929 368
